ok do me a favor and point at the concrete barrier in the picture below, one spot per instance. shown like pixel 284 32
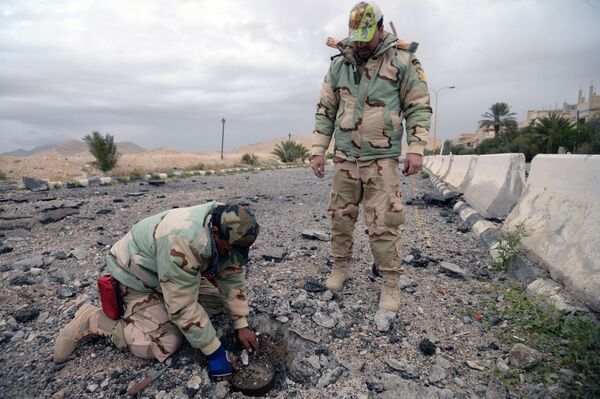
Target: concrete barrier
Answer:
pixel 497 184
pixel 434 164
pixel 426 162
pixel 461 172
pixel 438 164
pixel 560 211
pixel 446 165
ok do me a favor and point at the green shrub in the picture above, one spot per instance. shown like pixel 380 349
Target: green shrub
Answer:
pixel 103 149
pixel 2 175
pixel 249 159
pixel 136 174
pixel 508 249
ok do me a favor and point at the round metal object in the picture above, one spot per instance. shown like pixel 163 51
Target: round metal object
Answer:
pixel 256 379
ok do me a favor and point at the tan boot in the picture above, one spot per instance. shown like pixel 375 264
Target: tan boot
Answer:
pixel 338 275
pixel 88 320
pixel 390 293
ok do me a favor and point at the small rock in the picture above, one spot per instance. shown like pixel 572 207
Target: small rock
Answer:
pixel 443 363
pixel 19 335
pixel 436 374
pixel 57 215
pixel 282 319
pixel 28 263
pixel 406 370
pixel 327 295
pixel 59 394
pixel 79 253
pixel 60 255
pixel 340 332
pixel 275 255
pixel 221 390
pixel 330 377
pixel 20 280
pixel 315 235
pixel 427 347
pixel 383 319
pixel 26 314
pixel 194 383
pixel 64 293
pixel 452 270
pixel 156 182
pixel 405 282
pixel 313 360
pixel 35 271
pixel 4 249
pixel 502 366
pixel 524 357
pixel 460 382
pixel 34 184
pixel 244 357
pixel 463 228
pixel 92 387
pixel 323 320
pixel 474 365
pixel 313 285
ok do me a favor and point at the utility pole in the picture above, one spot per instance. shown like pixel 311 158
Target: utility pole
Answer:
pixel 222 136
pixel 436 116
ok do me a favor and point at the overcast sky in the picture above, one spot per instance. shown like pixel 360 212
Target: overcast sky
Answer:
pixel 164 73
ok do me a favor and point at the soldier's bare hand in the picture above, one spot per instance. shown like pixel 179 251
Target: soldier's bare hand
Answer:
pixel 412 164
pixel 318 165
pixel 247 339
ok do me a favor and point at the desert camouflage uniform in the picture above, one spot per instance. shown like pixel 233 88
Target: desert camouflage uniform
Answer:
pixel 161 264
pixel 362 107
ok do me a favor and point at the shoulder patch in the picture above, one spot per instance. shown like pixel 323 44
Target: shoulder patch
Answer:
pixel 411 47
pixel 419 69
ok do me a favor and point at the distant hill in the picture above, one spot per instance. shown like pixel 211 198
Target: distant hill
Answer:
pixel 25 153
pixel 74 147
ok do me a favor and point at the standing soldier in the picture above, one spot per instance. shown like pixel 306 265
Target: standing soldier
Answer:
pixel 371 87
pixel 174 269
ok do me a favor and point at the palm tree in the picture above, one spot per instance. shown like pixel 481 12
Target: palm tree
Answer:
pixel 289 151
pixel 498 117
pixel 553 131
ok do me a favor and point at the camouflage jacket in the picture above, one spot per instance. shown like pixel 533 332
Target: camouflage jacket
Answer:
pixel 166 254
pixel 362 107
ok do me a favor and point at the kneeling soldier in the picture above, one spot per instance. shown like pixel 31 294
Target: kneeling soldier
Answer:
pixel 174 269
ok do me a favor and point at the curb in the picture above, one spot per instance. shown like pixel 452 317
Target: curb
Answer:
pixel 82 182
pixel 521 269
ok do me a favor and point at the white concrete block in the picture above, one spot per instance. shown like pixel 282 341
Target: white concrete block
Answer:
pixel 560 211
pixel 461 172
pixel 497 184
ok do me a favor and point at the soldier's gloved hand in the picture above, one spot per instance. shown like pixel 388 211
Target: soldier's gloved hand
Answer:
pixel 221 363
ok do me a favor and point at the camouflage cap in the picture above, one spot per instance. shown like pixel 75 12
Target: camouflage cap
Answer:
pixel 363 21
pixel 237 225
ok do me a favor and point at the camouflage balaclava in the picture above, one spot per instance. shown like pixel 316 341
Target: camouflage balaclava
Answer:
pixel 236 224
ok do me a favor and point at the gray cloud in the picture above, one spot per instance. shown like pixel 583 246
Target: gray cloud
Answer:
pixel 161 75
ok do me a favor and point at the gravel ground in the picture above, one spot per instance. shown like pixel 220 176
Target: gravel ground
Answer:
pixel 332 346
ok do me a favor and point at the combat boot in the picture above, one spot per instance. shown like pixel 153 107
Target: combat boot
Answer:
pixel 339 274
pixel 88 320
pixel 390 293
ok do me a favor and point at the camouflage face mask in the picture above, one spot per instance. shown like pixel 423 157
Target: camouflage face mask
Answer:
pixel 238 225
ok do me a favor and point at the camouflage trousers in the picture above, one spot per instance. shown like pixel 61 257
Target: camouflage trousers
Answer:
pixel 377 185
pixel 145 328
